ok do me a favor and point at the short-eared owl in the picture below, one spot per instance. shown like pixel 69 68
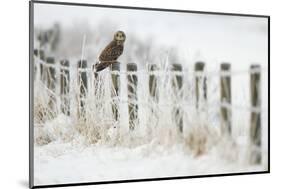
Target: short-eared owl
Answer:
pixel 111 52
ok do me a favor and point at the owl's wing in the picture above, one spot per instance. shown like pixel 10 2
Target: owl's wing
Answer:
pixel 111 52
pixel 101 66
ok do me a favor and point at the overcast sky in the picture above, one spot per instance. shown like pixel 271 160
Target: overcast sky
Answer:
pixel 213 38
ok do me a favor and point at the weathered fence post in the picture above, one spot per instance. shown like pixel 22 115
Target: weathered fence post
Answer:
pixel 132 95
pixel 83 87
pixel 96 76
pixel 255 126
pixel 50 72
pixel 64 86
pixel 200 81
pixel 115 77
pixel 96 82
pixel 152 81
pixel 41 55
pixel 225 90
pixel 177 87
pixel 153 116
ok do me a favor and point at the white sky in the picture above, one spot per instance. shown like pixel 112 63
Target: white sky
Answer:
pixel 212 38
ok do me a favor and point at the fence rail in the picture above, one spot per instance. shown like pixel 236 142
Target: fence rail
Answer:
pixel 56 77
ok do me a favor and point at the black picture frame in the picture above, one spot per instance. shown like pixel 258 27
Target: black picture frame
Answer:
pixel 31 91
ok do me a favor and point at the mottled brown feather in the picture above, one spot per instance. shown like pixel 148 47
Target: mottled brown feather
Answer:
pixel 111 52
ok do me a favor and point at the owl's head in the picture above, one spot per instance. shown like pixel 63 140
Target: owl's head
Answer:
pixel 119 37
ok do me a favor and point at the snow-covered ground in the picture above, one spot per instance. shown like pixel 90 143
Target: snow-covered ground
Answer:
pixel 70 159
pixel 64 163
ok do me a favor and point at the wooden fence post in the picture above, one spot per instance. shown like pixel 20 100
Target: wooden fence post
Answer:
pixel 35 66
pixel 64 86
pixel 255 126
pixel 50 72
pixel 83 87
pixel 153 116
pixel 200 81
pixel 96 82
pixel 177 87
pixel 152 81
pixel 115 77
pixel 41 55
pixel 132 95
pixel 225 90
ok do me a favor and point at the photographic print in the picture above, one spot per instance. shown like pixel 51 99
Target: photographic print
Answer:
pixel 122 94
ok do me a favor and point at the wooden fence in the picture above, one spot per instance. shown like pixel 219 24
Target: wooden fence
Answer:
pixel 48 74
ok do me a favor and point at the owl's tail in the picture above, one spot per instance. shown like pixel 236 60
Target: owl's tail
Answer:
pixel 99 66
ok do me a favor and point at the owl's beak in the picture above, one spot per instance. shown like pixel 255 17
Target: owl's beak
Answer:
pixel 120 42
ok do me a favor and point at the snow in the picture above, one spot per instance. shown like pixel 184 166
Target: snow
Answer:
pixel 77 161
pixel 97 163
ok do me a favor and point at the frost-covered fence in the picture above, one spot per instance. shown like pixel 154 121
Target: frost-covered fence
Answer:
pixel 177 88
pixel 72 88
pixel 153 87
pixel 225 89
pixel 65 86
pixel 132 94
pixel 50 75
pixel 255 115
pixel 115 69
pixel 200 85
pixel 41 55
pixel 83 88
